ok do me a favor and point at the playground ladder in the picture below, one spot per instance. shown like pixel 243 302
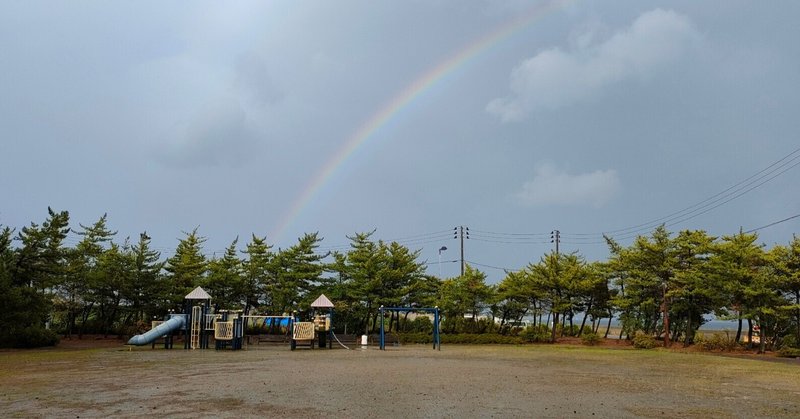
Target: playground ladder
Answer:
pixel 196 324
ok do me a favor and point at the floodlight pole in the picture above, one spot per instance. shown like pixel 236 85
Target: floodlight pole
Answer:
pixel 441 249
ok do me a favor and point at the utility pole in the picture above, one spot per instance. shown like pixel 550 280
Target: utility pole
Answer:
pixel 665 307
pixel 555 237
pixel 461 231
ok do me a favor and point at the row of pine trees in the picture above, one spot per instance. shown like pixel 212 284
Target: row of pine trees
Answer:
pixel 661 282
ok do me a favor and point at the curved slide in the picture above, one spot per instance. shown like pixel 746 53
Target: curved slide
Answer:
pixel 167 327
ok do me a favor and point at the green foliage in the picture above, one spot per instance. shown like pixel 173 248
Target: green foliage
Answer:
pixel 420 324
pixel 644 341
pixel 373 274
pixel 467 294
pixel 29 337
pixel 786 260
pixel 560 281
pixel 513 299
pixel 146 290
pixel 590 339
pixel 574 330
pixel 789 352
pixel 715 342
pixel 27 273
pixel 225 279
pixel 790 341
pixel 536 334
pixel 186 268
pixel 104 285
pixel 459 338
pixel 298 270
pixel 260 279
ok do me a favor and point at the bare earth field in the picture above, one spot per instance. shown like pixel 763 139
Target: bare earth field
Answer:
pixel 410 381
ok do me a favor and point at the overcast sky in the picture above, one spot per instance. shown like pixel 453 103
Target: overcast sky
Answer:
pixel 581 116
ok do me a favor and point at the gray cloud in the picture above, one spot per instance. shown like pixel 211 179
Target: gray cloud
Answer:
pixel 221 136
pixel 551 186
pixel 254 80
pixel 555 78
pixel 105 108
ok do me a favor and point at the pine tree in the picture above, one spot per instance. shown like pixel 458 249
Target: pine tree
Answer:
pixel 79 289
pixel 225 279
pixel 30 273
pixel 146 281
pixel 186 269
pixel 260 283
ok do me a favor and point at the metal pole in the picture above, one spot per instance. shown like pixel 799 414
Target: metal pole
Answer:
pixel 437 343
pixel 666 317
pixel 441 249
pixel 382 343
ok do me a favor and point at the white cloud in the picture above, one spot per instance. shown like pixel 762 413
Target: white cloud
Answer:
pixel 553 187
pixel 555 78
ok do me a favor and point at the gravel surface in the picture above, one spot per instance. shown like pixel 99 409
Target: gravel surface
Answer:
pixel 410 381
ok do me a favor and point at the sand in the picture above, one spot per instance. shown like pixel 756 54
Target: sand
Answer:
pixel 409 381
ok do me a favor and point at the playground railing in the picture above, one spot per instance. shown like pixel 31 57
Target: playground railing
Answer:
pixel 223 330
pixel 208 321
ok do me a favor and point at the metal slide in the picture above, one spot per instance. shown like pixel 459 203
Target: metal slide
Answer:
pixel 167 327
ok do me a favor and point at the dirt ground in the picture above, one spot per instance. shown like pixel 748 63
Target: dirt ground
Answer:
pixel 80 379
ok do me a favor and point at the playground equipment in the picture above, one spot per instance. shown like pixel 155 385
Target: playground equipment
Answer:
pixel 199 324
pixel 162 328
pixel 437 345
pixel 305 333
pixel 228 330
pixel 323 320
pixel 284 322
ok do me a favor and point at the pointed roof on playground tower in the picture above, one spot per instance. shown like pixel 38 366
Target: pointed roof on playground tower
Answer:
pixel 198 294
pixel 322 302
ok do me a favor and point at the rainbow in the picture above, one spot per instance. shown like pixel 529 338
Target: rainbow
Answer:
pixel 414 90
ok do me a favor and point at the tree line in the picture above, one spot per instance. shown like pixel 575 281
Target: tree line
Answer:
pixel 663 285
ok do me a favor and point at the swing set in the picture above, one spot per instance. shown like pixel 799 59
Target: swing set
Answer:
pixel 437 343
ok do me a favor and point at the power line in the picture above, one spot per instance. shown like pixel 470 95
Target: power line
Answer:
pixel 417 239
pixel 425 235
pixel 499 234
pixel 772 224
pixel 763 176
pixel 749 184
pixel 489 266
pixel 438 263
pixel 779 166
pixel 478 238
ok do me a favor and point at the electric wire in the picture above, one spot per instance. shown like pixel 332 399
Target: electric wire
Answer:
pixel 495 233
pixel 719 204
pixel 488 266
pixel 772 224
pixel 763 176
pixel 777 166
pixel 508 242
